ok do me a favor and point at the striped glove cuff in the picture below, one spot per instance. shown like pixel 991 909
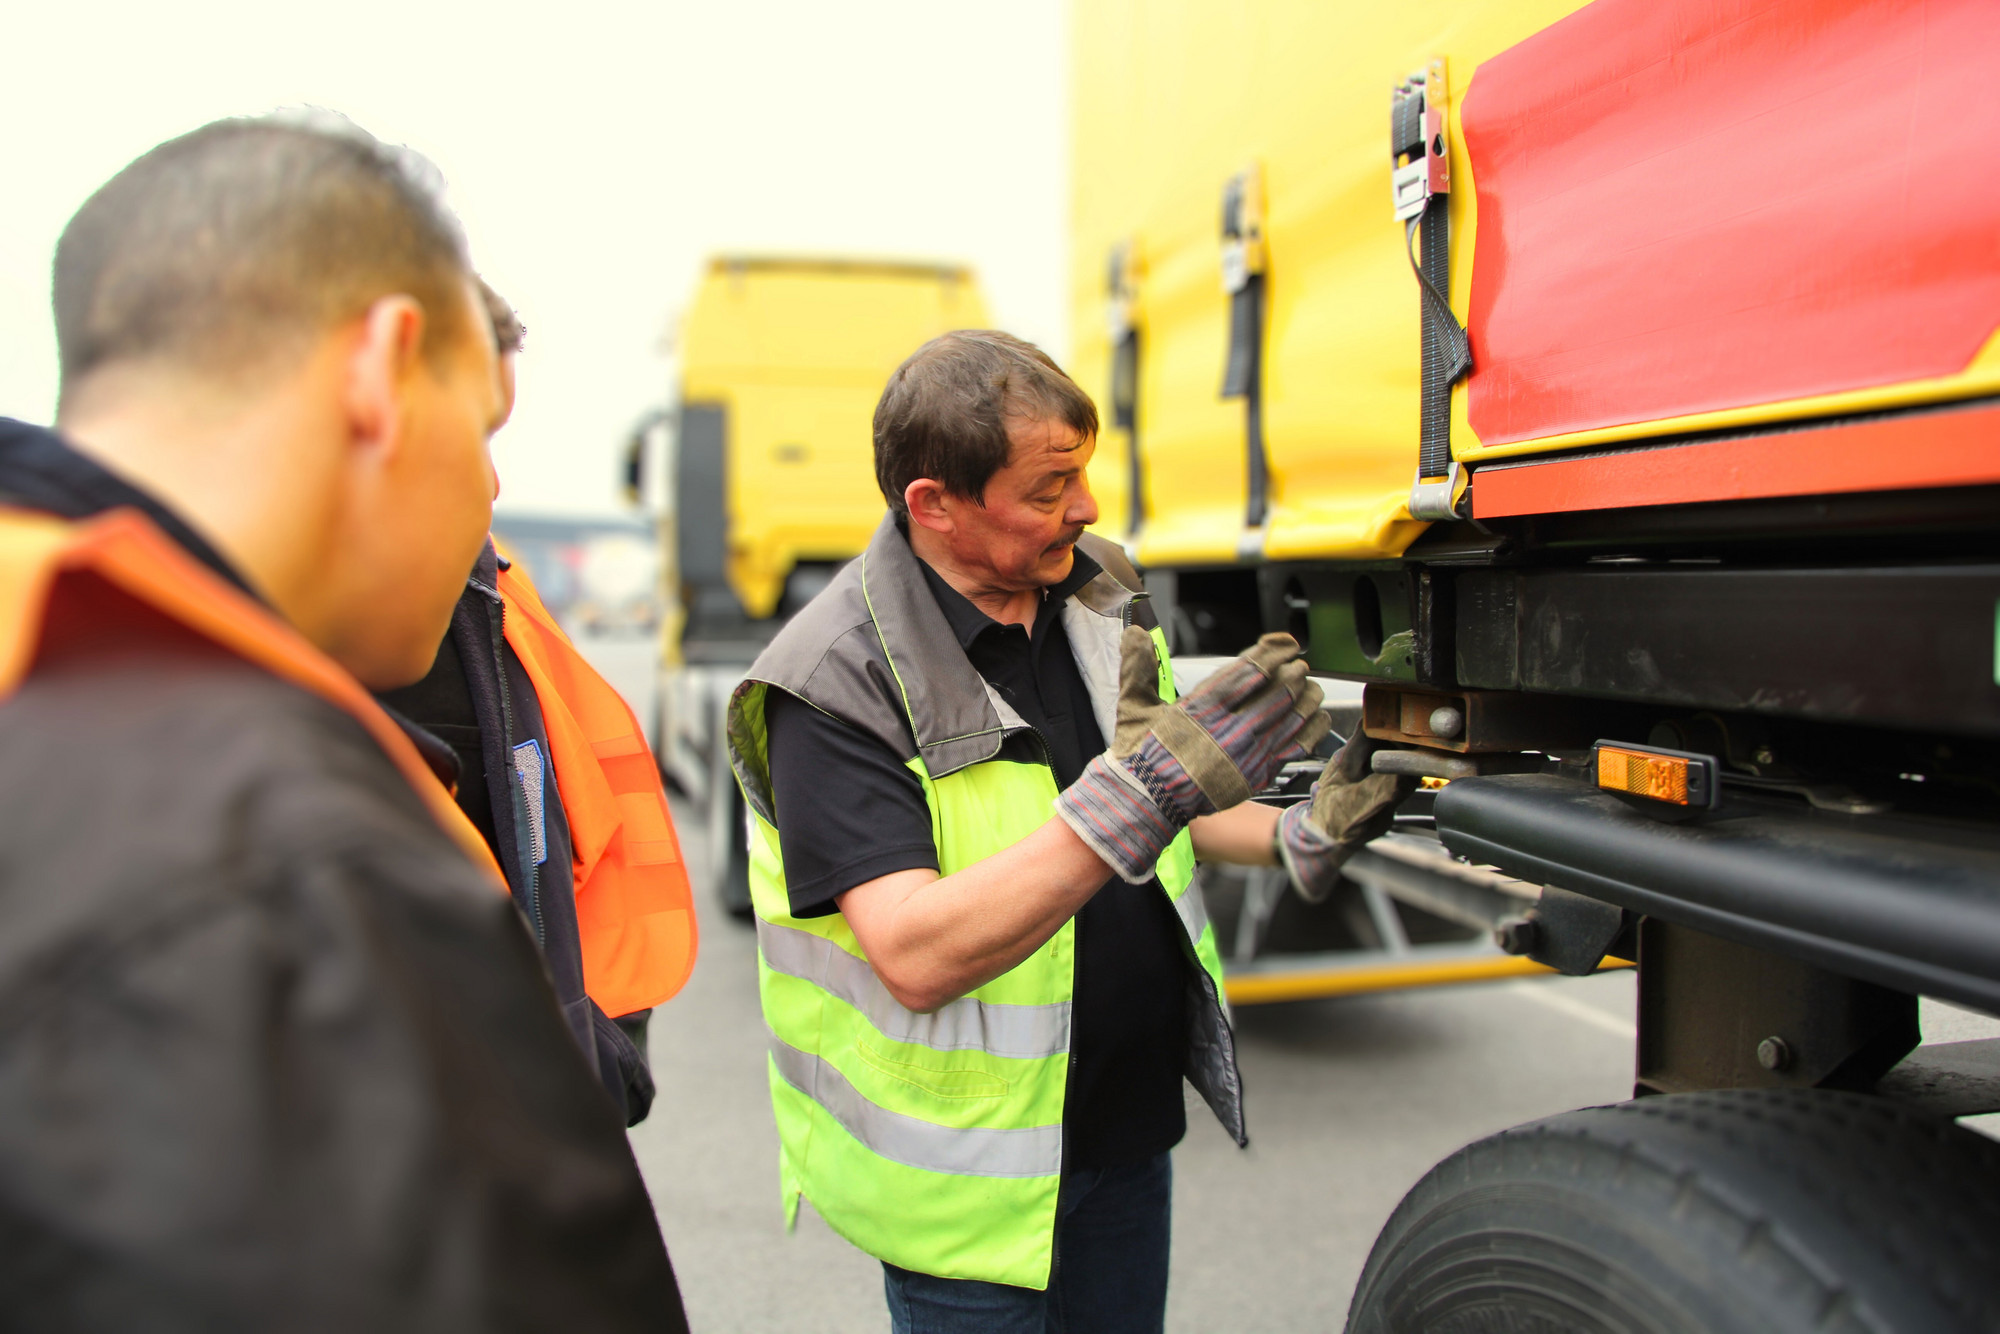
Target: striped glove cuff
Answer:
pixel 1311 857
pixel 1118 821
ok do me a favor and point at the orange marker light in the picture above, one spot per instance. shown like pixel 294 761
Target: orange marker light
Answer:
pixel 1653 776
pixel 1670 776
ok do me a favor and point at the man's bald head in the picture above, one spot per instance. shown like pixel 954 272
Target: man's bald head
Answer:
pixel 231 249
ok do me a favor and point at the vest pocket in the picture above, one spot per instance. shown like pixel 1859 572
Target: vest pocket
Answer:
pixel 956 1084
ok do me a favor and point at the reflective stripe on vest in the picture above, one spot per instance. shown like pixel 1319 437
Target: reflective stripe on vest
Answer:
pixel 1193 912
pixel 1026 1032
pixel 123 548
pixel 634 911
pixel 1027 1151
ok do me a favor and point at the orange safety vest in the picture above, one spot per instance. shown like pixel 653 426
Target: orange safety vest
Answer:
pixel 123 549
pixel 634 910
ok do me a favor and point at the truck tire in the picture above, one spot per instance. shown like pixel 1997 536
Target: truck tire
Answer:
pixel 1699 1213
pixel 732 876
pixel 658 740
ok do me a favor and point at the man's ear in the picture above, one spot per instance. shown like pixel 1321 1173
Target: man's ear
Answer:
pixel 506 373
pixel 929 505
pixel 388 346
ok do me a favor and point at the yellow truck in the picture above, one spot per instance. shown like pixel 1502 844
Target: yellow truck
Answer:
pixel 1611 392
pixel 770 483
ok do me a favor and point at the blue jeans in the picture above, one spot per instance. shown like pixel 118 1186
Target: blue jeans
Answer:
pixel 1112 1234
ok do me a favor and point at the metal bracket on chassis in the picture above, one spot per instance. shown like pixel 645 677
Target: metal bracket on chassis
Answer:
pixel 1715 1014
pixel 1570 933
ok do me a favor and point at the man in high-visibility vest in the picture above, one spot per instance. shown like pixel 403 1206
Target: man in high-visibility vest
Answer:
pixel 976 811
pixel 551 767
pixel 276 1049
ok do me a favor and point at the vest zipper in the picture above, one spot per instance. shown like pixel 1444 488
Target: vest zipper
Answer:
pixel 1075 968
pixel 1048 755
pixel 1069 1078
pixel 1069 1064
pixel 524 847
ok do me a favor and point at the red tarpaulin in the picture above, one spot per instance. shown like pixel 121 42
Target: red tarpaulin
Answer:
pixel 1691 205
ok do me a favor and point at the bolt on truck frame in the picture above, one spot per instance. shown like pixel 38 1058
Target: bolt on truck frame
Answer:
pixel 1613 391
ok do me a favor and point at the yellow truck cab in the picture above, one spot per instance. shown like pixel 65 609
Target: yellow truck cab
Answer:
pixel 781 363
pixel 771 477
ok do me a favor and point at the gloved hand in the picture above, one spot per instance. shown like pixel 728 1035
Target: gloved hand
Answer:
pixel 1169 763
pixel 1349 806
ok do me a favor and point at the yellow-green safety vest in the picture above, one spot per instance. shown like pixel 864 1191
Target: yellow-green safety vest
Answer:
pixel 935 1141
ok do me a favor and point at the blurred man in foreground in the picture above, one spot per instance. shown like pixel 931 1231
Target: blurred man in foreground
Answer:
pixel 276 1051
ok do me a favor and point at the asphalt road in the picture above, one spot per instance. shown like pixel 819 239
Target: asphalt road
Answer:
pixel 1349 1101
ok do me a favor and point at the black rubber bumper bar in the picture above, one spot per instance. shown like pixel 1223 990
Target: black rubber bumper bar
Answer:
pixel 1908 904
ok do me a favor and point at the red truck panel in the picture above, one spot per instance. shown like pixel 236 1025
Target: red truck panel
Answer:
pixel 1894 453
pixel 1694 205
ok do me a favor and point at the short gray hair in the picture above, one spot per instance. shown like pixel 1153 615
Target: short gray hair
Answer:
pixel 245 238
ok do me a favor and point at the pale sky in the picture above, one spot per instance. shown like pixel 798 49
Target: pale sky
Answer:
pixel 596 152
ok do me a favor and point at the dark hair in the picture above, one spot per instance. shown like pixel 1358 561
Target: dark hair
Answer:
pixel 508 331
pixel 944 414
pixel 243 239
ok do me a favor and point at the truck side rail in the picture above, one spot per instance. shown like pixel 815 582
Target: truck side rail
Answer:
pixel 1909 904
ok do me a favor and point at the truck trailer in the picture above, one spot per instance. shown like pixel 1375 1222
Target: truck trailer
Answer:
pixel 1611 391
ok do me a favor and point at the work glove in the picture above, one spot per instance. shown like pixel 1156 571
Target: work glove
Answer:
pixel 1349 806
pixel 1169 763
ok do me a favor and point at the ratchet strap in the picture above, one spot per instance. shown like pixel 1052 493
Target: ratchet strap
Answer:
pixel 1421 184
pixel 1121 296
pixel 1243 278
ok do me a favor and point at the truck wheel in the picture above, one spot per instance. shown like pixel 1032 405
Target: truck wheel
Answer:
pixel 1699 1213
pixel 732 881
pixel 659 742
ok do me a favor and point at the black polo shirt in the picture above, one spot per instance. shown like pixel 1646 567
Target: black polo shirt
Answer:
pixel 850 811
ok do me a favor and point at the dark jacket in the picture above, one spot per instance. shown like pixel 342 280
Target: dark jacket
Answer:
pixel 470 717
pixel 477 698
pixel 273 1054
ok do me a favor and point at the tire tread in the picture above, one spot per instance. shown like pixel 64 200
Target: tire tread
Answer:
pixel 1851 1213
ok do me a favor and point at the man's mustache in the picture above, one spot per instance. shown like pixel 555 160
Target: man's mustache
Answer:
pixel 1068 540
